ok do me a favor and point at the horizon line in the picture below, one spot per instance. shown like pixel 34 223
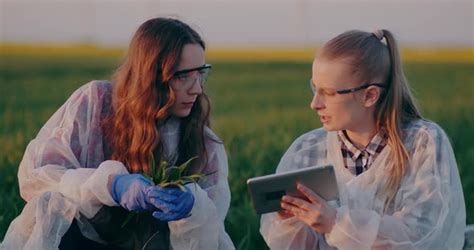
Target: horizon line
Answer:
pixel 234 53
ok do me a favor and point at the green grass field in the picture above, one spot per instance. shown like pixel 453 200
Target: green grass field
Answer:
pixel 259 108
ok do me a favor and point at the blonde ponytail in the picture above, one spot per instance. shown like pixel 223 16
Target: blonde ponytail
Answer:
pixel 398 107
pixel 373 60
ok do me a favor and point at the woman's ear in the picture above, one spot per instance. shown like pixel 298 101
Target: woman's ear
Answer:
pixel 371 96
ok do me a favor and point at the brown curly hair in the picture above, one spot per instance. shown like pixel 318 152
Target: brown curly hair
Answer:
pixel 142 99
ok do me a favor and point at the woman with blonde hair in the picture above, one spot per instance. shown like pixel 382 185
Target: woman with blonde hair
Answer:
pixel 84 173
pixel 397 176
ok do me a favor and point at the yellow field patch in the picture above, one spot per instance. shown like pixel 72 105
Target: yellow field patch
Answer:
pixel 58 50
pixel 461 55
pixel 434 55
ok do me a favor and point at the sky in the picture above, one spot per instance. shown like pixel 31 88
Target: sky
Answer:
pixel 240 23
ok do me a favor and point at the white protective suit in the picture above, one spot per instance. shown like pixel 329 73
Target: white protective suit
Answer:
pixel 64 175
pixel 428 211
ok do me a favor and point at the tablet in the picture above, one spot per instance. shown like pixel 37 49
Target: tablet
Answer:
pixel 266 191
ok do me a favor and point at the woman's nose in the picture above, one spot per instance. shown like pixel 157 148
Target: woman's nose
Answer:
pixel 196 88
pixel 316 102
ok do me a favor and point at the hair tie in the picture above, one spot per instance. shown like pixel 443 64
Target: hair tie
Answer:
pixel 378 34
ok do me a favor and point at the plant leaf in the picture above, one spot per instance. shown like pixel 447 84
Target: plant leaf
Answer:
pixel 128 218
pixel 153 167
pixel 148 177
pixel 211 173
pixel 196 176
pixel 191 178
pixel 173 174
pixel 183 166
pixel 162 176
pixel 171 184
pixel 168 176
pixel 187 180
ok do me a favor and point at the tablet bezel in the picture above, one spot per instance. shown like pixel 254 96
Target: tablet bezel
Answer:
pixel 266 191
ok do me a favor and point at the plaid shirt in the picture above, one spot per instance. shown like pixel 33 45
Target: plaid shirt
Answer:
pixel 359 160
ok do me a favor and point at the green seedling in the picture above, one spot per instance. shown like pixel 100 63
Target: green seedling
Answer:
pixel 166 176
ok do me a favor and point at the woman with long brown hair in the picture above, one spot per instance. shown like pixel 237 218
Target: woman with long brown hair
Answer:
pixel 398 182
pixel 85 172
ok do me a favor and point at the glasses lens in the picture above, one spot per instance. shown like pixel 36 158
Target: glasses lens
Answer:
pixel 327 96
pixel 204 74
pixel 186 79
pixel 313 89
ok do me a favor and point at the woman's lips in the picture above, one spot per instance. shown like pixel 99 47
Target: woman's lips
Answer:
pixel 324 118
pixel 188 104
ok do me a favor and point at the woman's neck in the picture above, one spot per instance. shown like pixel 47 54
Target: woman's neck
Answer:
pixel 362 136
pixel 171 125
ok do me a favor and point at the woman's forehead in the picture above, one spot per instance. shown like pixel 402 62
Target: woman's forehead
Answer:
pixel 192 56
pixel 333 73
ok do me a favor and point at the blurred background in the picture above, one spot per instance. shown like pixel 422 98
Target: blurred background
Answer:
pixel 261 52
pixel 245 23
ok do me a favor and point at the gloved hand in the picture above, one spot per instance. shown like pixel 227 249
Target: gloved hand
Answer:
pixel 174 203
pixel 129 190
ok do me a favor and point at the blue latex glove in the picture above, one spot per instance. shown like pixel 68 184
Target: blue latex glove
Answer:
pixel 129 190
pixel 174 203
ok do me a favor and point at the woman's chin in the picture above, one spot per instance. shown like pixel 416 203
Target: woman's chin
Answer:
pixel 329 127
pixel 181 113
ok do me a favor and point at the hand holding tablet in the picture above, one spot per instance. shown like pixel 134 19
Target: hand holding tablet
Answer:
pixel 266 191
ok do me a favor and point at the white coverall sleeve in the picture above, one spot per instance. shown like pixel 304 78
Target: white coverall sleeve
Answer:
pixel 289 233
pixel 53 177
pixel 429 212
pixel 204 229
pixel 55 160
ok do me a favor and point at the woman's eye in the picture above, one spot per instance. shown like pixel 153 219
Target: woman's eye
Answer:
pixel 329 93
pixel 182 77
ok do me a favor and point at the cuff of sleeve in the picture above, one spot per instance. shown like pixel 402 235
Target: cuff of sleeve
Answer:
pixel 353 229
pixel 89 188
pixel 202 225
pixel 288 233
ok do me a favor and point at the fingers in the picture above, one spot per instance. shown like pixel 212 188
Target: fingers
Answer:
pixel 310 217
pixel 163 205
pixel 144 180
pixel 289 208
pixel 299 207
pixel 312 196
pixel 284 214
pixel 161 193
pixel 170 200
pixel 296 202
pixel 182 202
pixel 169 194
pixel 169 216
pixel 163 216
pixel 171 190
pixel 315 212
pixel 185 203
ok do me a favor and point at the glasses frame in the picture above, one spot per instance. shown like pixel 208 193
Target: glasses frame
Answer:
pixel 179 73
pixel 184 71
pixel 351 90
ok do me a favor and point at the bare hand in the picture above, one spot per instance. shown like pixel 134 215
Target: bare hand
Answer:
pixel 284 214
pixel 313 210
